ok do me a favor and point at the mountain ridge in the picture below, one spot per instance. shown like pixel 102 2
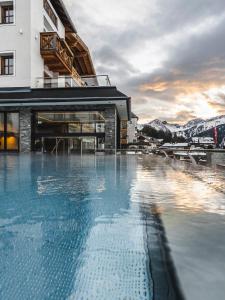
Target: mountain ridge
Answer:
pixel 192 128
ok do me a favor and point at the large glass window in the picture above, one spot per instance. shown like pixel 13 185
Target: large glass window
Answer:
pixel 88 127
pixel 88 144
pixel 100 127
pixel 50 13
pixel 2 132
pixel 12 131
pixel 9 131
pixel 62 123
pixel 74 127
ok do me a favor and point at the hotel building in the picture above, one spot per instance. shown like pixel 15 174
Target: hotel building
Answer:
pixel 50 96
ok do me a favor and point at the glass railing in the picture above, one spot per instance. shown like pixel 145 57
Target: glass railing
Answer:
pixel 71 82
pixel 59 82
pixel 96 80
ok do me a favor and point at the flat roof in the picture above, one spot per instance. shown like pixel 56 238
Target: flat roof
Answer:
pixel 67 96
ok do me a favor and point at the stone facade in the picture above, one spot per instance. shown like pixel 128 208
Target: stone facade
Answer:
pixel 132 130
pixel 25 130
pixel 110 130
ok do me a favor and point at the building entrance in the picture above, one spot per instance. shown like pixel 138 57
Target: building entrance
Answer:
pixel 68 145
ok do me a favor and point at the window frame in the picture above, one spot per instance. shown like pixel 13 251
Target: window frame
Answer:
pixel 10 66
pixel 51 13
pixel 7 12
pixel 7 65
pixel 2 5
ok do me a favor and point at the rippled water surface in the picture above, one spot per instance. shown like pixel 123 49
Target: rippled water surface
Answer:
pixel 110 228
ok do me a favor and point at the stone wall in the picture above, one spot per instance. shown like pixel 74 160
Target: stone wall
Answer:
pixel 25 130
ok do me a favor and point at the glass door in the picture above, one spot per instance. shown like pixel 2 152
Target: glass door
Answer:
pixel 82 145
pixel 75 145
pixel 88 144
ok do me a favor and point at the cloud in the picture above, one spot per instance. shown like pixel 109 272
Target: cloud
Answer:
pixel 184 115
pixel 169 55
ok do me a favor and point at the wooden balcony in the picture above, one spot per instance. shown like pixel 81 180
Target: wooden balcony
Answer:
pixel 56 54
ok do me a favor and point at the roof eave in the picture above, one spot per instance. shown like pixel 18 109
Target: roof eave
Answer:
pixel 63 14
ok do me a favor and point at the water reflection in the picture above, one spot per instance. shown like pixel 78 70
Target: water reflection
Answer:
pixel 192 210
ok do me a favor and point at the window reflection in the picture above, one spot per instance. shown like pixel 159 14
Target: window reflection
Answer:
pixel 88 128
pixel 100 127
pixel 71 117
pixel 74 127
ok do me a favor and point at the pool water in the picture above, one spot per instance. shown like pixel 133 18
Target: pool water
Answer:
pixel 91 228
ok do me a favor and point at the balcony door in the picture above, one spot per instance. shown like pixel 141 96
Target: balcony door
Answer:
pixel 9 131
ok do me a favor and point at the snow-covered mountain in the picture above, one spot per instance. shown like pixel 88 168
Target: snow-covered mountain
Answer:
pixel 193 128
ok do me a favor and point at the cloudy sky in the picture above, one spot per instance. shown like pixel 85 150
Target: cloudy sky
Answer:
pixel 168 55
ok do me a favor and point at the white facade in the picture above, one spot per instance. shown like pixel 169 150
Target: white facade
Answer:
pixel 132 129
pixel 22 40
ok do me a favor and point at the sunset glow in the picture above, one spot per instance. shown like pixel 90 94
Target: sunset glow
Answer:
pixel 169 66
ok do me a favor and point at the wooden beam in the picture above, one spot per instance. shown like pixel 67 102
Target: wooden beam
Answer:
pixel 81 54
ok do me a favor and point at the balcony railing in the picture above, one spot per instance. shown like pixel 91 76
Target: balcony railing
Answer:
pixel 59 82
pixel 56 53
pixel 96 80
pixel 72 81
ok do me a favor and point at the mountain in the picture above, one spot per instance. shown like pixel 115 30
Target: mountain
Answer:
pixel 159 125
pixel 195 127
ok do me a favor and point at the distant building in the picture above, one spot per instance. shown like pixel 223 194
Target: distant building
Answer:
pixel 150 142
pixel 205 142
pixel 132 129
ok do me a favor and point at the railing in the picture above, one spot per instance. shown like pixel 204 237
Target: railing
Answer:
pixel 59 82
pixel 96 80
pixel 51 42
pixel 70 81
pixel 50 13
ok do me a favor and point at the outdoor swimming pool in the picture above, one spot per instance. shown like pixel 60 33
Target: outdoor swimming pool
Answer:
pixel 97 228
